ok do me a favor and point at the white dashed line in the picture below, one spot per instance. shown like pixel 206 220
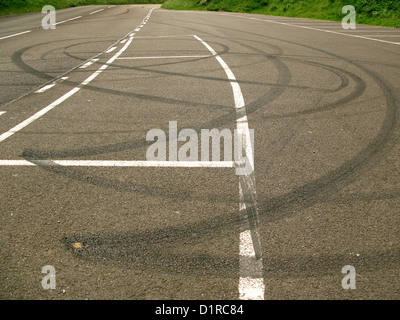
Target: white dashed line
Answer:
pixel 96 11
pixel 54 104
pixel 110 50
pixel 15 34
pixel 69 20
pixel 45 88
pixel 87 64
pixel 51 85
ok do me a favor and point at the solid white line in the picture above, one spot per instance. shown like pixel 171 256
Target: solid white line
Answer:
pixel 237 93
pixel 164 57
pixel 118 163
pixel 110 61
pixel 383 35
pixel 111 50
pixel 310 28
pixel 251 282
pixel 45 88
pixel 96 11
pixel 15 34
pixel 69 20
pixel 37 115
pixel 171 36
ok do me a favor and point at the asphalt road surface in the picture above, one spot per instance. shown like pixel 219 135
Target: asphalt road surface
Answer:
pixel 78 194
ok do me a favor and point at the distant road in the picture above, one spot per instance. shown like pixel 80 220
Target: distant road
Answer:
pixel 77 193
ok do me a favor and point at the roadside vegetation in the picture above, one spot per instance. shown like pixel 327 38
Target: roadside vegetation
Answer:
pixel 374 12
pixel 8 7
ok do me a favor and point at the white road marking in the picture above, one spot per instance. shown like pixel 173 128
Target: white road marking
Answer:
pixel 15 34
pixel 123 41
pixel 251 281
pixel 111 50
pixel 50 85
pixel 382 35
pixel 170 36
pixel 96 11
pixel 310 28
pixel 37 115
pixel 51 106
pixel 2 112
pixel 111 7
pixel 87 64
pixel 119 163
pixel 68 20
pixel 45 88
pixel 164 57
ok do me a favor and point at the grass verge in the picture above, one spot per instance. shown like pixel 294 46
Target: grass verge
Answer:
pixel 373 12
pixel 10 7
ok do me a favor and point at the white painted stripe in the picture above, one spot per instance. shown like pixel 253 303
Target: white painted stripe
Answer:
pixel 110 61
pixel 15 34
pixel 37 115
pixel 2 112
pixel 164 57
pixel 123 41
pixel 310 28
pixel 170 36
pixel 251 288
pixel 383 35
pixel 51 106
pixel 237 93
pixel 118 163
pixel 68 20
pixel 111 7
pixel 96 11
pixel 45 88
pixel 110 50
pixel 51 85
pixel 137 29
pixel 251 281
pixel 87 64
